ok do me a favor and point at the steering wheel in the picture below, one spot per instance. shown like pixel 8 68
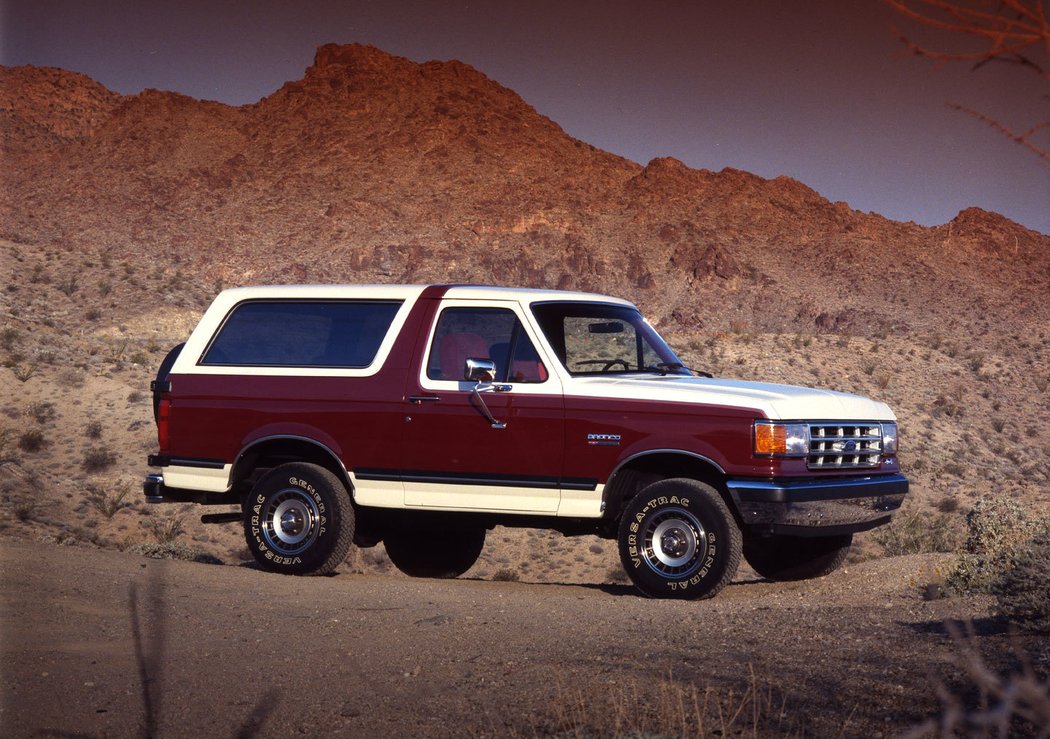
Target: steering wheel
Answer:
pixel 607 364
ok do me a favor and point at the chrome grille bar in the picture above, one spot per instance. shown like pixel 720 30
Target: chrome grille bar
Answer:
pixel 844 445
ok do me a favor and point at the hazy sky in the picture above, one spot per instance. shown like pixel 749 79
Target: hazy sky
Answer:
pixel 815 90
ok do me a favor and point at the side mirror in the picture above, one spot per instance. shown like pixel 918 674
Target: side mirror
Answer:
pixel 479 370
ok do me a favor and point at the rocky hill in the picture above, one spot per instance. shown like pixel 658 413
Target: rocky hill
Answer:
pixel 375 168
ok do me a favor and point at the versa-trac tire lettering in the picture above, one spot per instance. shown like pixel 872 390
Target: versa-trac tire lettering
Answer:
pixel 298 520
pixel 677 539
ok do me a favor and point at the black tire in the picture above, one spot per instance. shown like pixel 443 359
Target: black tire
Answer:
pixel 298 520
pixel 162 374
pixel 678 540
pixel 443 553
pixel 784 558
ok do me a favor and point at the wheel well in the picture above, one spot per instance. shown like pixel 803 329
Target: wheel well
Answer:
pixel 264 455
pixel 650 468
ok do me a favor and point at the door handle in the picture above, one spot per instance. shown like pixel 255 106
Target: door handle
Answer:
pixel 420 399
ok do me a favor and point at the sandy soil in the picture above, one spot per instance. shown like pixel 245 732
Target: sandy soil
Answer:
pixel 103 643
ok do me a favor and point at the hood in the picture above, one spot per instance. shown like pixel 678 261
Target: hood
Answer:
pixel 776 402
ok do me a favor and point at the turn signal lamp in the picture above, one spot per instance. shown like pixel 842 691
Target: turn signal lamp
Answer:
pixel 781 439
pixel 889 439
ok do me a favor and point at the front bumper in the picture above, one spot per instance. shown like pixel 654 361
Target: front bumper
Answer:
pixel 822 507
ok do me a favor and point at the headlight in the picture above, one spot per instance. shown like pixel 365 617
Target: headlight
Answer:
pixel 889 438
pixel 781 439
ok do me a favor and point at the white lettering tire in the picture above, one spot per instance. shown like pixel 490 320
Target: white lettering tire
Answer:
pixel 298 520
pixel 677 539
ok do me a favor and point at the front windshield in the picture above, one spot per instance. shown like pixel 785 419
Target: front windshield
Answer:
pixel 596 338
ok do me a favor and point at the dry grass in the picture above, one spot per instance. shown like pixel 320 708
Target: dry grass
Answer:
pixel 98 458
pixel 676 709
pixel 1012 704
pixel 105 502
pixel 167 529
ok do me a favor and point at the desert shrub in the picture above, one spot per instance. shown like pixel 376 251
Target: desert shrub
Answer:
pixel 25 510
pixel 173 550
pixel 167 529
pixel 948 504
pixel 9 337
pixel 24 372
pixel 41 411
pixel 998 533
pixel 135 396
pixel 104 502
pixel 506 574
pixel 98 458
pixel 1022 593
pixel 919 532
pixel 94 429
pixel 32 440
pixel 68 287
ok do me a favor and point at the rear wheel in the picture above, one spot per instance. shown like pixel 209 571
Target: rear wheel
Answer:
pixel 434 552
pixel 298 520
pixel 796 557
pixel 678 540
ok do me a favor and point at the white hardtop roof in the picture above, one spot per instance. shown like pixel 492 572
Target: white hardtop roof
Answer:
pixel 409 292
pixel 524 294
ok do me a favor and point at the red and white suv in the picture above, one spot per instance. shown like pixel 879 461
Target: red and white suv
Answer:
pixel 422 416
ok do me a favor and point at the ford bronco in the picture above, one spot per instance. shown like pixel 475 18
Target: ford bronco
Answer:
pixel 423 416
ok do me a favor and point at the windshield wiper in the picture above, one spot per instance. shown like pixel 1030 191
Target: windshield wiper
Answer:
pixel 665 368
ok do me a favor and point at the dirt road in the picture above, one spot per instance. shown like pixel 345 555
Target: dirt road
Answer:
pixel 100 643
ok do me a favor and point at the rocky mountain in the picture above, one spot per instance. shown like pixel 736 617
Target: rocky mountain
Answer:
pixel 376 168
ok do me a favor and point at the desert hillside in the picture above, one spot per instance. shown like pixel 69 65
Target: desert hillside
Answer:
pixel 122 216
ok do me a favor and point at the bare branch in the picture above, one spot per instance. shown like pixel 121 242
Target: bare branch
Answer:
pixel 1013 32
pixel 1024 139
pixel 1008 27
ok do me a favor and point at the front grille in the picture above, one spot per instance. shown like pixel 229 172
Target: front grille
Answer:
pixel 841 446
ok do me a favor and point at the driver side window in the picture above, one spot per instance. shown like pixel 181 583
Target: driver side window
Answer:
pixel 483 333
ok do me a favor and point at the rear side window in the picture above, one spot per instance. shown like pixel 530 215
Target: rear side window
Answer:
pixel 288 333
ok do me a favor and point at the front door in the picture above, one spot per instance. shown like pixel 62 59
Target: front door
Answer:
pixel 454 456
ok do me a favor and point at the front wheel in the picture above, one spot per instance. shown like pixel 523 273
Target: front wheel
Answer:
pixel 677 539
pixel 436 552
pixel 298 520
pixel 784 558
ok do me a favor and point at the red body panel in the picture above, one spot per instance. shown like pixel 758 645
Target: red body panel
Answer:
pixel 358 418
pixel 453 435
pixel 370 423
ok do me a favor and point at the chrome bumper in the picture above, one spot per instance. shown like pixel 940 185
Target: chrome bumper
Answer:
pixel 818 507
pixel 153 488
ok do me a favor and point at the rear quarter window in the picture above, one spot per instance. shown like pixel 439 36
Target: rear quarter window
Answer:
pixel 286 333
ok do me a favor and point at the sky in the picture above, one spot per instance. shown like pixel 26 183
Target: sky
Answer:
pixel 820 91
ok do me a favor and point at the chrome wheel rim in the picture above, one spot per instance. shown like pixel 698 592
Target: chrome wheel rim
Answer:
pixel 674 543
pixel 291 522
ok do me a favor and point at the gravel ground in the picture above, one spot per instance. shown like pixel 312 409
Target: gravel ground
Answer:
pixel 102 643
